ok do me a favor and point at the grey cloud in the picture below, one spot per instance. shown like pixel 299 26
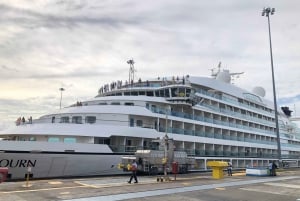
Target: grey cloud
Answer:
pixel 72 5
pixel 289 100
pixel 33 19
pixel 4 67
pixel 28 106
pixel 76 73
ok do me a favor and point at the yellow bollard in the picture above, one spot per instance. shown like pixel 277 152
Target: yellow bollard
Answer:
pixel 217 168
pixel 27 180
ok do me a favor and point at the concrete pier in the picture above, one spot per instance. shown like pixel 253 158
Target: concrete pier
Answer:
pixel 193 186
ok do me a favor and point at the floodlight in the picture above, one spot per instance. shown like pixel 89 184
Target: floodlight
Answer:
pixel 272 11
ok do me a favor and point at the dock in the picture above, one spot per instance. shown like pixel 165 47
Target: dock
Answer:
pixel 186 187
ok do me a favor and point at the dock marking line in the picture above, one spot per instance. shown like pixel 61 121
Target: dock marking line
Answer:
pixel 283 185
pixel 112 184
pixel 41 189
pixel 86 185
pixel 262 191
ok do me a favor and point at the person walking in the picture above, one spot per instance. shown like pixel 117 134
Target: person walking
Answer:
pixel 133 170
pixel 229 169
pixel 271 168
pixel 274 167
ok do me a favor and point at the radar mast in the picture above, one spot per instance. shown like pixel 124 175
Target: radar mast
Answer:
pixel 131 71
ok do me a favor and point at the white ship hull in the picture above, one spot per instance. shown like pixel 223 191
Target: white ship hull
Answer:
pixel 50 165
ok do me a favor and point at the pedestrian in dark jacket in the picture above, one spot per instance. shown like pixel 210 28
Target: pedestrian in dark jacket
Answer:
pixel 274 167
pixel 229 169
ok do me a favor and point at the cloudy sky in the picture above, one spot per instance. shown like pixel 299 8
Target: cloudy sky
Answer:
pixel 81 45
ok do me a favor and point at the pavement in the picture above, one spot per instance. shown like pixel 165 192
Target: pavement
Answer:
pixel 187 187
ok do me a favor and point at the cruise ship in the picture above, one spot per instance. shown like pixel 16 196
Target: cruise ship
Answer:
pixel 207 117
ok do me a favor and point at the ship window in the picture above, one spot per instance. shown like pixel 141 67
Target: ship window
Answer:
pixel 188 92
pixel 155 85
pixel 145 144
pixel 69 140
pixel 90 119
pixel 174 92
pixel 131 122
pixel 32 139
pixel 102 103
pixel 127 93
pixel 181 92
pixel 99 140
pixel 115 103
pixel 141 93
pixel 162 93
pixel 153 108
pixel 53 139
pixel 65 120
pixel 167 93
pixel 149 93
pixel 131 104
pixel 157 93
pixel 77 119
pixel 139 123
pixel 134 93
pixel 106 141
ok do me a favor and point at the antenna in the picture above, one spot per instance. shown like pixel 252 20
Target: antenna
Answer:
pixel 214 74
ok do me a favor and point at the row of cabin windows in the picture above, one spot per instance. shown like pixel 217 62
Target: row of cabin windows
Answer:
pixel 139 123
pixel 175 92
pixel 117 103
pixel 88 119
pixel 78 120
pixel 65 140
pixel 50 139
pixel 25 138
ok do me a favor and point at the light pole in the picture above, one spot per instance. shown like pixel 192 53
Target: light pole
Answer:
pixel 266 12
pixel 61 90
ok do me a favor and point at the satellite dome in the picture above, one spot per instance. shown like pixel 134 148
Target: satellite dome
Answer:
pixel 259 91
pixel 224 76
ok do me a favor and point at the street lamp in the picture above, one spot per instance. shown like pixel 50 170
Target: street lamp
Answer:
pixel 61 90
pixel 266 12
